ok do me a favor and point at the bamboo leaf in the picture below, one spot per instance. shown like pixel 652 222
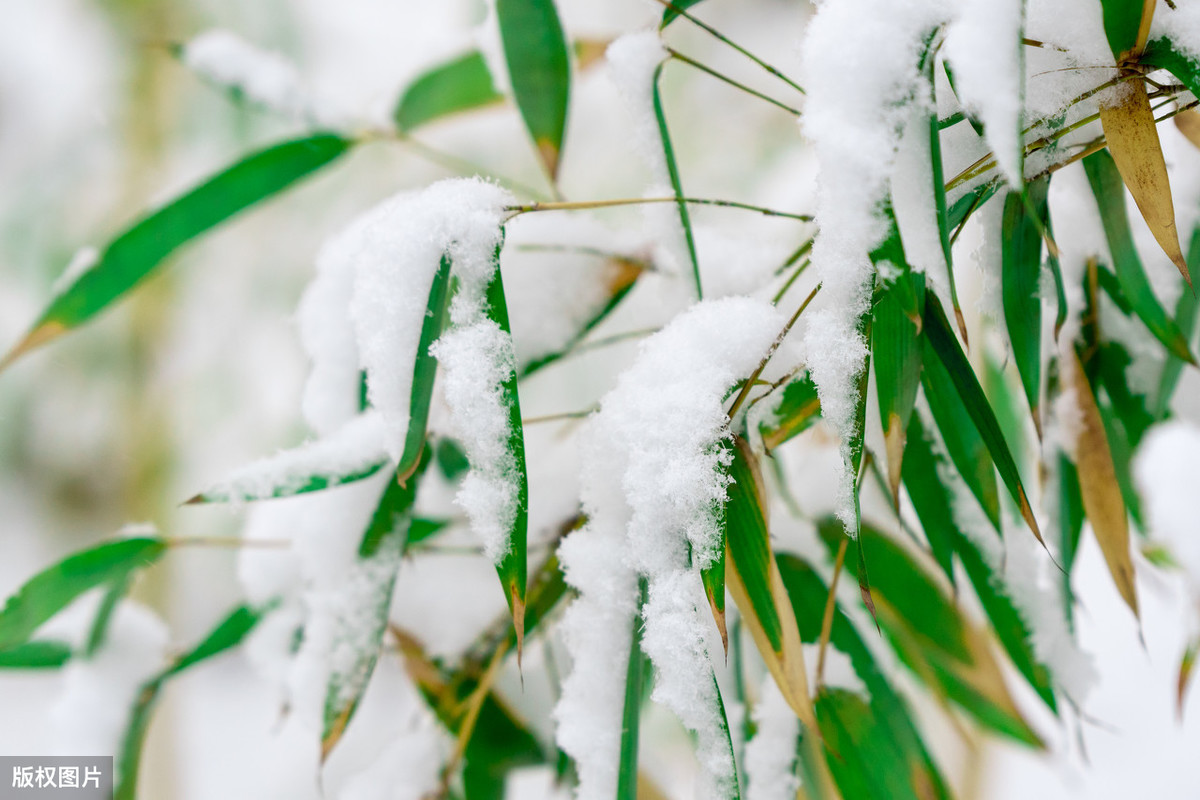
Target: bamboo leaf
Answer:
pixel 1105 180
pixel 798 408
pixel 635 676
pixel 919 777
pixel 1185 317
pixel 1127 26
pixel 1100 491
pixel 934 639
pixel 463 84
pixel 685 218
pixel 942 342
pixel 1162 54
pixel 1025 215
pixel 539 70
pixel 425 370
pixel 1132 136
pixel 756 586
pixel 350 454
pixel 672 11
pixel 1186 662
pixel 929 497
pixel 512 568
pixel 713 578
pixel 53 589
pixel 135 253
pixel 35 654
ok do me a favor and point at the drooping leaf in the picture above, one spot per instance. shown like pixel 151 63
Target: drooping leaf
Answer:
pixel 672 11
pixel 1132 136
pixel 512 568
pixel 896 346
pixel 135 253
pixel 756 586
pixel 1098 484
pixel 796 411
pixel 463 84
pixel 35 654
pixel 108 606
pixel 1127 26
pixel 942 342
pixel 539 70
pixel 1070 526
pixel 929 497
pixel 425 370
pixel 1188 123
pixel 1025 214
pixel 53 589
pixel 932 637
pixel 685 218
pixel 890 713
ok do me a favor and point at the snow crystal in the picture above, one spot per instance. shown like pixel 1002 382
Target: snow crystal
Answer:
pixel 1181 25
pixel 1166 469
pixel 399 251
pixel 352 450
pixel 771 752
pixel 265 78
pixel 84 259
pixel 92 713
pixel 983 44
pixel 913 201
pixel 651 486
pixel 854 117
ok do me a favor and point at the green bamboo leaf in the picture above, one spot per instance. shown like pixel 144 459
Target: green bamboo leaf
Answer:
pixel 1109 190
pixel 512 568
pixel 108 605
pixel 713 578
pixel 671 12
pixel 1070 525
pixel 685 218
pixel 53 589
pixel 228 633
pixel 1185 317
pixel 36 654
pixel 942 342
pixel 756 586
pixel 932 637
pixel 425 370
pixel 1127 26
pixel 929 498
pixel 135 253
pixel 636 675
pixel 501 743
pixel 540 72
pixel 1162 54
pixel 373 581
pixel 462 84
pixel 1025 215
pixel 919 777
pixel 798 409
pixel 350 454
pixel 896 346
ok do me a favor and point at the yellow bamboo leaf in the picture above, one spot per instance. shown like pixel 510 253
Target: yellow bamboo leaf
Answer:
pixel 1133 141
pixel 1188 123
pixel 1102 501
pixel 1144 28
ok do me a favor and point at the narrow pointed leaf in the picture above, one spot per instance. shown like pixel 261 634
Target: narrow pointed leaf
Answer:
pixel 1025 214
pixel 1132 136
pixel 135 253
pixel 713 577
pixel 350 454
pixel 631 714
pixel 1105 180
pixel 1100 491
pixel 36 654
pixel 796 411
pixel 929 498
pixel 754 581
pixel 685 218
pixel 462 84
pixel 539 70
pixel 672 11
pixel 512 568
pixel 1127 26
pixel 942 342
pixel 425 370
pixel 55 587
pixel 1163 54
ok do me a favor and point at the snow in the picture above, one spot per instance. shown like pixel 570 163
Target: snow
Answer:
pixel 771 753
pixel 1167 472
pixel 1181 25
pixel 92 713
pixel 652 488
pixel 983 46
pixel 353 450
pixel 398 252
pixel 853 118
pixel 913 202
pixel 265 78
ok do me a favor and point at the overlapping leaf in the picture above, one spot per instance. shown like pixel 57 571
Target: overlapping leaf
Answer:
pixel 1025 215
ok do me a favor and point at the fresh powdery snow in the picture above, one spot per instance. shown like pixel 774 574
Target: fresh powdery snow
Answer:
pixel 652 487
pixel 854 117
pixel 265 78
